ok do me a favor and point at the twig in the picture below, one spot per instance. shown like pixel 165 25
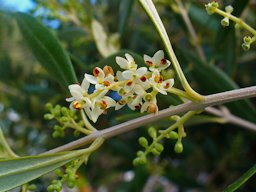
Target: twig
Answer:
pixel 210 100
pixel 230 118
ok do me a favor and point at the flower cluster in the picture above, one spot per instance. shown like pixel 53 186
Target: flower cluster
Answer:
pixel 137 86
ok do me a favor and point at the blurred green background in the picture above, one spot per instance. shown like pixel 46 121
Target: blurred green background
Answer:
pixel 214 154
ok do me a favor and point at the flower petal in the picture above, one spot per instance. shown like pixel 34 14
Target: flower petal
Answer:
pixel 123 63
pixel 128 74
pixel 158 56
pixel 85 84
pixel 129 57
pixel 141 71
pixel 91 79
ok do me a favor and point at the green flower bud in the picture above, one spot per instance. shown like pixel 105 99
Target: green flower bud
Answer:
pixel 211 7
pixel 225 22
pixel 71 184
pixel 140 153
pixel 152 132
pixel 155 152
pixel 58 172
pixel 32 187
pixel 139 160
pixel 143 142
pixel 178 148
pixel 247 39
pixel 56 134
pixel 159 147
pixel 49 106
pixel 64 119
pixel 229 9
pixel 50 188
pixel 173 135
pixel 64 111
pixel 48 116
pixel 246 46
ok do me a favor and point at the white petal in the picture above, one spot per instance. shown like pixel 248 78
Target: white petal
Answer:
pixel 119 76
pixel 96 112
pixel 147 58
pixel 91 79
pixel 160 90
pixel 118 106
pixel 123 63
pixel 99 86
pixel 129 57
pixel 70 99
pixel 111 102
pixel 85 85
pixel 158 56
pixel 88 112
pixel 128 74
pixel 110 78
pixel 144 107
pixel 101 74
pixel 76 92
pixel 139 90
pixel 142 71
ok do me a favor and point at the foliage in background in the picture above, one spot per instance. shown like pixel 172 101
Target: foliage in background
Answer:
pixel 211 157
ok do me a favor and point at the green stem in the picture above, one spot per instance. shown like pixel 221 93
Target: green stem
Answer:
pixel 75 126
pixel 236 20
pixel 238 183
pixel 179 123
pixel 86 122
pixel 5 146
pixel 153 14
pixel 179 93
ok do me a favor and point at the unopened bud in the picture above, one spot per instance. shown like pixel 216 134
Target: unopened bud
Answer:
pixel 178 148
pixel 229 9
pixel 152 108
pixel 108 70
pixel 225 22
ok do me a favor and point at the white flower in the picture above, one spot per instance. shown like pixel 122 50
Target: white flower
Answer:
pixel 99 106
pixel 157 62
pixel 99 79
pixel 127 63
pixel 79 94
pixel 159 84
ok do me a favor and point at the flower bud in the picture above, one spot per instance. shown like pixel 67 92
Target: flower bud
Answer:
pixel 155 152
pixel 108 70
pixel 152 108
pixel 247 39
pixel 210 7
pixel 229 9
pixel 246 46
pixel 178 148
pixel 173 135
pixel 152 132
pixel 159 147
pixel 225 22
pixel 143 142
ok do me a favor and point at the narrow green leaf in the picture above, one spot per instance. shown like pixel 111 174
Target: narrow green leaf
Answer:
pixel 239 182
pixel 124 13
pixel 46 49
pixel 18 171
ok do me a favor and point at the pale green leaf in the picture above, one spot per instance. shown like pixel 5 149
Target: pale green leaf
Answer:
pixel 18 171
